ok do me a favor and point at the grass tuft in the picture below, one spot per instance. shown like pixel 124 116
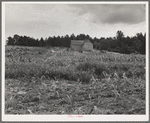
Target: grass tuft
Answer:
pixel 93 83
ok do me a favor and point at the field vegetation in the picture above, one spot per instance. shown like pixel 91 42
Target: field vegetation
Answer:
pixel 57 81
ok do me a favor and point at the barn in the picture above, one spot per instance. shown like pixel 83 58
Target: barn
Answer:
pixel 81 45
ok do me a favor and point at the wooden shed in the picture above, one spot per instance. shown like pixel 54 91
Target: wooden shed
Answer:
pixel 81 45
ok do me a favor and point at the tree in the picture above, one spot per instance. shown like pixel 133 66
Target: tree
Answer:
pixel 66 42
pixel 42 43
pixel 57 41
pixel 119 35
pixel 10 41
pixel 72 37
pixel 49 40
pixel 141 44
pixel 125 49
pixel 103 45
pixel 81 37
pixel 87 36
pixel 16 38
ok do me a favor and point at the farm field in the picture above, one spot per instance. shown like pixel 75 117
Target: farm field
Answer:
pixel 57 81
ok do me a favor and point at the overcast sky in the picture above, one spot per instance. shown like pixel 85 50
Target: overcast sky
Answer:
pixel 97 20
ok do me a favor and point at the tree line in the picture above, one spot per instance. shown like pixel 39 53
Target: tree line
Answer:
pixel 119 43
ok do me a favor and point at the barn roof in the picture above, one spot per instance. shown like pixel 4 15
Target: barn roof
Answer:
pixel 78 42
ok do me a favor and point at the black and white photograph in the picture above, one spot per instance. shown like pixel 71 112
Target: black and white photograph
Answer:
pixel 75 61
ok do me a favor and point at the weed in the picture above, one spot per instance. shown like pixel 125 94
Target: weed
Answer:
pixel 92 83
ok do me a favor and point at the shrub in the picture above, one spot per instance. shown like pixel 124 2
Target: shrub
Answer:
pixel 85 66
pixel 94 68
pixel 99 69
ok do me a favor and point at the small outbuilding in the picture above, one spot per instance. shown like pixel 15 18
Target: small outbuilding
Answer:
pixel 81 45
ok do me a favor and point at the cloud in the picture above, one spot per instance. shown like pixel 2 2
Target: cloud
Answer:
pixel 112 14
pixel 37 19
pixel 45 20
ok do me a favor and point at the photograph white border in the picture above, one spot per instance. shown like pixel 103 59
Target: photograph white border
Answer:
pixel 75 117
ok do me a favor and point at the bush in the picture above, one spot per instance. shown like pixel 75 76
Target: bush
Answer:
pixel 92 67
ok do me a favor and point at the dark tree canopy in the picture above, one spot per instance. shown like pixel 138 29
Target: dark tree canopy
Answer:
pixel 119 35
pixel 120 43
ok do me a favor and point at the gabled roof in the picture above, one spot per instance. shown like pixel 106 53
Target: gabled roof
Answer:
pixel 78 42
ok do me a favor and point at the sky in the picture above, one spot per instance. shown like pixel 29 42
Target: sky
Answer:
pixel 96 20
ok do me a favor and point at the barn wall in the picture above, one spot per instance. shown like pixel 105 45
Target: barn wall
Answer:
pixel 88 46
pixel 76 47
pixel 81 46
